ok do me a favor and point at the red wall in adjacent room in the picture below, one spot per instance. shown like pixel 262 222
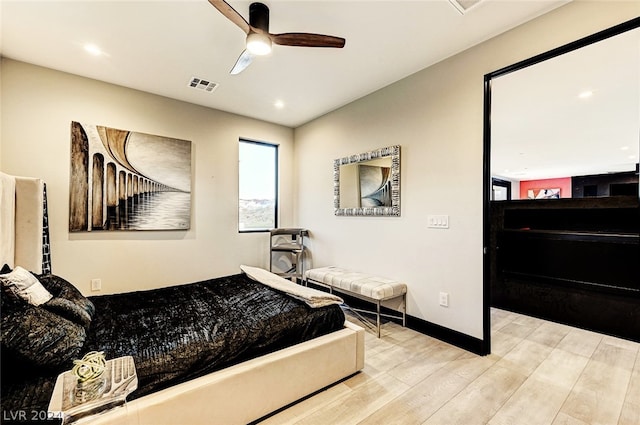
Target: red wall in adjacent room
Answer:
pixel 564 184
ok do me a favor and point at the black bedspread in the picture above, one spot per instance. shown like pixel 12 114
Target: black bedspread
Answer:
pixel 181 332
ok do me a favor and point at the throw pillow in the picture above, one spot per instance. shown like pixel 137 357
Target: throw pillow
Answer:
pixel 22 284
pixel 67 300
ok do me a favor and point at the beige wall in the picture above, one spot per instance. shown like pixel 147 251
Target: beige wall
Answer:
pixel 436 115
pixel 38 106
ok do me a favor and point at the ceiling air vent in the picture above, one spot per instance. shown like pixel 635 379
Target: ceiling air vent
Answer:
pixel 200 84
pixel 463 6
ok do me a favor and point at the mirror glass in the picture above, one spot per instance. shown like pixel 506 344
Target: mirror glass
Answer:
pixel 368 183
pixel 558 124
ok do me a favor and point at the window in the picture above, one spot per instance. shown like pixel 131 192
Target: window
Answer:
pixel 258 186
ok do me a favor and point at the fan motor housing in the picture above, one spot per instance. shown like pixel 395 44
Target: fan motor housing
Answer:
pixel 259 16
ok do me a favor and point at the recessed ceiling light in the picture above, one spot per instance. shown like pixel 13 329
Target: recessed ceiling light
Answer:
pixel 279 104
pixel 92 49
pixel 624 148
pixel 585 94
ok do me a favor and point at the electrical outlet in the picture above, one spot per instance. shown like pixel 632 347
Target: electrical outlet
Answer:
pixel 96 284
pixel 444 299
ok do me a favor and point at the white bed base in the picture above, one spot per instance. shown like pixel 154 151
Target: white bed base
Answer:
pixel 248 391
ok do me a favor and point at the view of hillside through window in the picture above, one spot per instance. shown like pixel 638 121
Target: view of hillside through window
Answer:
pixel 258 170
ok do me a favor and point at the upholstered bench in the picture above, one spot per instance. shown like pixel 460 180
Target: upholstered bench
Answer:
pixel 361 285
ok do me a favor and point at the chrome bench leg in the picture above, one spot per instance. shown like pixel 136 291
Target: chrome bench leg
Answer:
pixel 404 310
pixel 378 316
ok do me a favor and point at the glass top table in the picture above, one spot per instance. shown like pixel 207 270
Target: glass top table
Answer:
pixel 72 401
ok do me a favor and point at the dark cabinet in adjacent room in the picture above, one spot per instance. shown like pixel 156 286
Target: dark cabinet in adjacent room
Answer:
pixel 600 185
pixel 574 261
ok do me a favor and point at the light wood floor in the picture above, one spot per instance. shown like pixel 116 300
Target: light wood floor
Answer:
pixel 539 373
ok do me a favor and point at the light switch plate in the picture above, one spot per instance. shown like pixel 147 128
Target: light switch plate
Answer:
pixel 438 221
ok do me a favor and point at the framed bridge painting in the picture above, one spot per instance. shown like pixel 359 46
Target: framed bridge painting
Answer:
pixel 125 180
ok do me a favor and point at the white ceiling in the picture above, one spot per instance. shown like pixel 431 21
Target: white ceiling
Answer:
pixel 158 46
pixel 541 127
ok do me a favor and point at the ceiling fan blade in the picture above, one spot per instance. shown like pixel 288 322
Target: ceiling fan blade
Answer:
pixel 304 39
pixel 243 61
pixel 231 14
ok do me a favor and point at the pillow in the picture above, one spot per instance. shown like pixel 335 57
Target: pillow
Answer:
pixel 9 303
pixel 22 284
pixel 33 337
pixel 67 300
pixel 5 269
pixel 69 310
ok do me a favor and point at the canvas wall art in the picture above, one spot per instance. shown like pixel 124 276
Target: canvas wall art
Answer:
pixel 125 180
pixel 543 193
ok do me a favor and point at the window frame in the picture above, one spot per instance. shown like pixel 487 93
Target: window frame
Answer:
pixel 276 170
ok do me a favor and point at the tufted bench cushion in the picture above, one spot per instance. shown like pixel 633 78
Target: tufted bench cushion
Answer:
pixel 374 287
pixel 362 285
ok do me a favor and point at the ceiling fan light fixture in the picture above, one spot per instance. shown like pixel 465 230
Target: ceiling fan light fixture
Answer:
pixel 259 39
pixel 258 44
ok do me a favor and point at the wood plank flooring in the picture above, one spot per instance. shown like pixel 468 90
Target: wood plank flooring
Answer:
pixel 539 373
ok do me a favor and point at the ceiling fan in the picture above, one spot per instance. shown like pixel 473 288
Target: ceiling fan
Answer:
pixel 259 39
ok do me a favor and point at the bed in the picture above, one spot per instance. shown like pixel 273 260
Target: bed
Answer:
pixel 296 350
pixel 228 350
